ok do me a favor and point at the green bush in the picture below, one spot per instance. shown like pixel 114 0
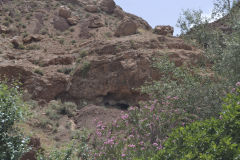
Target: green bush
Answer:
pixel 213 139
pixel 12 142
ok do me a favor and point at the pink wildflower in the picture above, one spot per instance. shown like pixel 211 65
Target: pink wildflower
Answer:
pixel 176 97
pixel 123 155
pixel 155 144
pixel 238 84
pixel 110 141
pixel 131 136
pixel 131 146
pixel 220 117
pixel 131 108
pixel 124 116
pixel 152 108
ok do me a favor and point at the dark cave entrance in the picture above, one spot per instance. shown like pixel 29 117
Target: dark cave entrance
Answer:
pixel 116 101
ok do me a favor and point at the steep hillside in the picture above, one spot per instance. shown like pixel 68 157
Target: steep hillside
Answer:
pixel 84 53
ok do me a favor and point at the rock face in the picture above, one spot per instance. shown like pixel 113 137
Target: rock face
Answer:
pixel 86 61
pixel 107 5
pixel 127 27
pixel 95 22
pixel 111 78
pixel 164 30
pixel 92 8
pixel 64 12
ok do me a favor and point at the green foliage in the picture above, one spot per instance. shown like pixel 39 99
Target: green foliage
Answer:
pixel 221 46
pixel 63 154
pixel 57 107
pixel 85 68
pixel 197 94
pixel 12 110
pixel 65 70
pixel 209 139
pixel 77 149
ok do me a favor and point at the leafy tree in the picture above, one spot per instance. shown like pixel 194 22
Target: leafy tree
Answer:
pixel 216 138
pixel 12 142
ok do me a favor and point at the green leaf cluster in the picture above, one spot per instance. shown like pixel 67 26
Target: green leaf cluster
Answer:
pixel 213 139
pixel 12 110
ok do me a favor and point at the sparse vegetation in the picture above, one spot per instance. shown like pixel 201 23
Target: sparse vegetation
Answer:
pixel 33 47
pixel 85 68
pixel 65 70
pixel 39 72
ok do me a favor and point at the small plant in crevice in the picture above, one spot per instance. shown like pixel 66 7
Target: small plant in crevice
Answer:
pixel 39 72
pixel 65 70
pixel 85 67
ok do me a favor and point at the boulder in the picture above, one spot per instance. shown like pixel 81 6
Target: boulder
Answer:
pixel 60 24
pixel 91 8
pixel 107 6
pixel 64 12
pixel 32 38
pixel 72 20
pixel 95 22
pixel 164 30
pixel 118 12
pixel 127 27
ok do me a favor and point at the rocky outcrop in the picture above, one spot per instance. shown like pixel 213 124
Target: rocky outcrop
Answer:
pixel 141 23
pixel 164 30
pixel 32 38
pixel 95 22
pixel 126 27
pixel 107 6
pixel 111 78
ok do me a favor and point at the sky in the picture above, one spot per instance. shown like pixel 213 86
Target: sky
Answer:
pixel 163 12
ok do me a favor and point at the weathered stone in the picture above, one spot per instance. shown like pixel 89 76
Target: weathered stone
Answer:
pixel 107 6
pixel 92 8
pixel 32 38
pixel 164 30
pixel 127 27
pixel 95 22
pixel 72 21
pixel 64 12
pixel 118 12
